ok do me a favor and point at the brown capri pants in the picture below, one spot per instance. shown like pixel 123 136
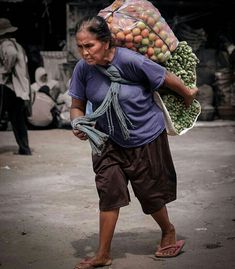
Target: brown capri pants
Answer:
pixel 149 168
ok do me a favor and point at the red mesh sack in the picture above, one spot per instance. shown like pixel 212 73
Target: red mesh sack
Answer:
pixel 138 25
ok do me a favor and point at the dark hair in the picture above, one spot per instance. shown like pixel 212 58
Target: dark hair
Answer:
pixel 95 25
pixel 45 89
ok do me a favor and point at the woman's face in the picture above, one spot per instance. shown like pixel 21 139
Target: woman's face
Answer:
pixel 93 51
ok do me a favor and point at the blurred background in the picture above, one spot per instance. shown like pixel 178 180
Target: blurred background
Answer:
pixel 46 31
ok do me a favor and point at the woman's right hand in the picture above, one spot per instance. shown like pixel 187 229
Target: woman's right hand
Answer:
pixel 78 110
pixel 81 135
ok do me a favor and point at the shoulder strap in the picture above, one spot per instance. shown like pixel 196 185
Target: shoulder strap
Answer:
pixel 114 75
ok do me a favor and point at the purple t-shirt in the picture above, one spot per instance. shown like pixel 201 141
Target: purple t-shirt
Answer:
pixel 88 83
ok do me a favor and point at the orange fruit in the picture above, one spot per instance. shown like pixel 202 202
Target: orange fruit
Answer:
pixel 143 17
pixel 136 31
pixel 138 38
pixel 120 36
pixel 159 43
pixel 141 25
pixel 150 51
pixel 163 34
pixel 145 32
pixel 129 45
pixel 114 29
pixel 156 29
pixel 151 21
pixel 153 58
pixel 129 38
pixel 126 31
pixel 152 36
pixel 164 48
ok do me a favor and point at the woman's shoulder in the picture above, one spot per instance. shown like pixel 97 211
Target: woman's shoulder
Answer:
pixel 81 67
pixel 81 64
pixel 128 56
pixel 125 52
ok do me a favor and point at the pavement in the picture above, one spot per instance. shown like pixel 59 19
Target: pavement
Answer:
pixel 49 213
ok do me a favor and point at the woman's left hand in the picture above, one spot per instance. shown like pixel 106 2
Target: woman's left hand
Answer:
pixel 188 100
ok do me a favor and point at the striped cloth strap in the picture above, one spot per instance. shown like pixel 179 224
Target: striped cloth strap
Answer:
pixel 86 123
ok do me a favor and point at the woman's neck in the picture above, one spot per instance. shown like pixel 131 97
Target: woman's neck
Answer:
pixel 109 56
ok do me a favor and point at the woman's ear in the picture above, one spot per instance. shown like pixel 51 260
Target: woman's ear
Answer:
pixel 107 45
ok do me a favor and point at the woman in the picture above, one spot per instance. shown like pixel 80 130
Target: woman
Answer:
pixel 142 156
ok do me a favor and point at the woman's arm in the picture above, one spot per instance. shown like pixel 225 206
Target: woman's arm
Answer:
pixel 78 109
pixel 175 84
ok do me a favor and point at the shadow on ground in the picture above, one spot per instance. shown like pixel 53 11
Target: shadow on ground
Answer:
pixel 135 242
pixel 5 149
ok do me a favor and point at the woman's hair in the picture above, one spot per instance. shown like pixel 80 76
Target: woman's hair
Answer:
pixel 95 25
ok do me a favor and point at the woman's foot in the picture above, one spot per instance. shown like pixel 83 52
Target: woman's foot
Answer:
pixel 168 237
pixel 169 246
pixel 93 262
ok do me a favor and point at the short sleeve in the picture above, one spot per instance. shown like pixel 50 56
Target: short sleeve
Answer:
pixel 136 67
pixel 154 72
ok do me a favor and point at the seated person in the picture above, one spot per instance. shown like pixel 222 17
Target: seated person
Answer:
pixel 45 114
pixel 64 104
pixel 42 79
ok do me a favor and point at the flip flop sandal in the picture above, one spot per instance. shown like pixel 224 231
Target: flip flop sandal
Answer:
pixel 174 249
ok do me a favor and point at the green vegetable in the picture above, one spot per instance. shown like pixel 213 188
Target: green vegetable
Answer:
pixel 183 64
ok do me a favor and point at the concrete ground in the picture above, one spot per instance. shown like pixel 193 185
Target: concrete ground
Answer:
pixel 49 214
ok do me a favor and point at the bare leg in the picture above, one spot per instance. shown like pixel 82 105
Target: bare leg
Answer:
pixel 108 220
pixel 168 230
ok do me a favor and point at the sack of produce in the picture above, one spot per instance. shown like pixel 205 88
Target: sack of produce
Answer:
pixel 178 118
pixel 138 25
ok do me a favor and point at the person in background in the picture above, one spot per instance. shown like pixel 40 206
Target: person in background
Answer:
pixel 64 104
pixel 139 154
pixel 42 79
pixel 230 47
pixel 14 85
pixel 45 113
pixel 227 44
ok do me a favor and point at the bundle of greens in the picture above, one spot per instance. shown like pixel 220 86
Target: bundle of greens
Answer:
pixel 183 64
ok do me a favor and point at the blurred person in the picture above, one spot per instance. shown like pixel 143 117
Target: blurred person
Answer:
pixel 230 47
pixel 64 103
pixel 14 85
pixel 45 113
pixel 226 44
pixel 42 79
